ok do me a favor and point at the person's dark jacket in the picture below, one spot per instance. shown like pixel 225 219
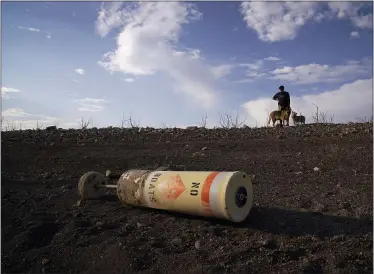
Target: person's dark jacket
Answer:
pixel 283 98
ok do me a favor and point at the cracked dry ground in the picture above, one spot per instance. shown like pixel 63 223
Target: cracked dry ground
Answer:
pixel 302 220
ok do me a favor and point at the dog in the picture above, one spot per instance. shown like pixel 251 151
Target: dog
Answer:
pixel 277 115
pixel 298 119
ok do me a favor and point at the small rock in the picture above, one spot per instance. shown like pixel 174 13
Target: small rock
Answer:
pixel 163 168
pixel 139 225
pixel 316 169
pixel 217 231
pixel 313 266
pixel 47 175
pixel 306 204
pixel 338 238
pixel 329 193
pixel 305 261
pixel 107 173
pixel 99 224
pixel 78 203
pixel 269 243
pixel 177 242
pixel 45 261
pixel 320 207
pixel 50 128
pixel 197 244
pixel 205 148
pixel 65 187
pixel 157 244
pixel 346 205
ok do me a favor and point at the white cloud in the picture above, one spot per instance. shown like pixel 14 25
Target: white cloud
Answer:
pixel 75 81
pixel 188 53
pixel 255 66
pixel 90 104
pixel 79 71
pixel 351 10
pixel 346 104
pixel 109 17
pixel 355 34
pixel 129 80
pixel 92 100
pixel 272 58
pixel 278 21
pixel 17 118
pixel 5 90
pixel 29 29
pixel 308 73
pixel 14 112
pixel 254 71
pixel 316 73
pixel 90 107
pixel 48 35
pixel 222 70
pixel 147 44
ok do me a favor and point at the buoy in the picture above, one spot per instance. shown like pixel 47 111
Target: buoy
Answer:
pixel 223 195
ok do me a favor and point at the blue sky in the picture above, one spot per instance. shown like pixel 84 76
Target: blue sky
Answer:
pixel 173 63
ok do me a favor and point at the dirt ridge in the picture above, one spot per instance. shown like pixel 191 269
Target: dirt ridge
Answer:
pixel 312 213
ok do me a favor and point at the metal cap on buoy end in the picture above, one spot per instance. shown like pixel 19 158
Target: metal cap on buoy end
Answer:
pixel 91 185
pixel 238 197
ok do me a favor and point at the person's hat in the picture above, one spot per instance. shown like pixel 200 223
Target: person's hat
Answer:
pixel 281 87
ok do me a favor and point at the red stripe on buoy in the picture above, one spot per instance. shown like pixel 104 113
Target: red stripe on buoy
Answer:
pixel 205 192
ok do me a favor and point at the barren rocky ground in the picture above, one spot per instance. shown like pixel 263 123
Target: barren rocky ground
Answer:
pixel 313 210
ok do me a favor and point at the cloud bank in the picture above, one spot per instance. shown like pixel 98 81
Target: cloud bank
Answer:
pixel 147 44
pixel 350 101
pixel 279 21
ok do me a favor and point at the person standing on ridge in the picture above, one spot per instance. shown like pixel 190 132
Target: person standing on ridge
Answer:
pixel 283 98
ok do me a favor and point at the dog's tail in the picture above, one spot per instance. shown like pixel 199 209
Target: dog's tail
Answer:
pixel 269 119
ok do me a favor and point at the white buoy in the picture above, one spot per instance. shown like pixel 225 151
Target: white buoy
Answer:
pixel 223 195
